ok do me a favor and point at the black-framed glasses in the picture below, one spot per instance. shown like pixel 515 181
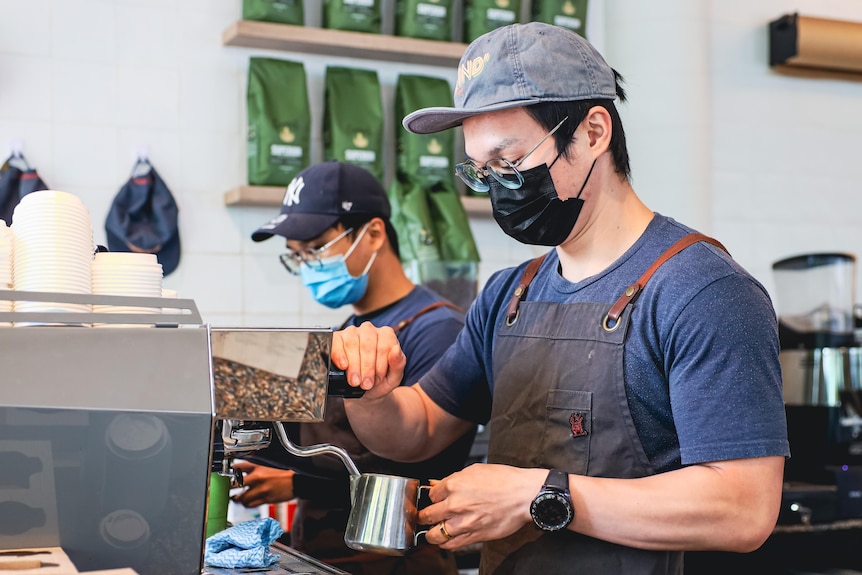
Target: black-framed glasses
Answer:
pixel 309 256
pixel 500 169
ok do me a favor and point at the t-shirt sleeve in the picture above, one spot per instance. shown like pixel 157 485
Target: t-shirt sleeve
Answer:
pixel 460 382
pixel 724 374
pixel 426 340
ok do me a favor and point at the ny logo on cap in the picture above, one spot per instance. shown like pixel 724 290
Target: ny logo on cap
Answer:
pixel 291 196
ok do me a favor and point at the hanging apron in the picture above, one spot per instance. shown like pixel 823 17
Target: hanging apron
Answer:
pixel 566 408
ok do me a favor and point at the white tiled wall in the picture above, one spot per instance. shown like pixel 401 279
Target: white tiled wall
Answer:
pixel 786 150
pixel 86 83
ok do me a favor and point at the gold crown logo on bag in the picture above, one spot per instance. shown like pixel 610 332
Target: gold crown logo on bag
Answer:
pixel 286 135
pixel 360 141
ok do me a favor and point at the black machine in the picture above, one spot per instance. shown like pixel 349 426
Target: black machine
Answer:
pixel 821 364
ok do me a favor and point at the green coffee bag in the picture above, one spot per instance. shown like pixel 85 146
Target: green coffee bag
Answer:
pixel 571 14
pixel 279 121
pixel 427 19
pixel 454 238
pixel 430 211
pixel 481 16
pixel 353 118
pixel 423 158
pixel 278 11
pixel 353 15
pixel 411 217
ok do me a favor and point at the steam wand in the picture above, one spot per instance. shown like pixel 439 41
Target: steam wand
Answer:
pixel 315 449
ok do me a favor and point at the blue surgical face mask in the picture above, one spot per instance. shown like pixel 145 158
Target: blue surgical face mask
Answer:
pixel 330 282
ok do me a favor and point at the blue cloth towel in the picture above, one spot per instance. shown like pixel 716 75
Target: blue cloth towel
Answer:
pixel 244 545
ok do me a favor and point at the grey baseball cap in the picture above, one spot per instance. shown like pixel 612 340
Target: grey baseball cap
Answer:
pixel 519 65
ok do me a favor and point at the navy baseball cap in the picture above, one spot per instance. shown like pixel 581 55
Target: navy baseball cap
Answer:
pixel 144 217
pixel 520 65
pixel 321 194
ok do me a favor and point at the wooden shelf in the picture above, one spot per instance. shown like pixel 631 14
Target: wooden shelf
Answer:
pixel 268 196
pixel 309 40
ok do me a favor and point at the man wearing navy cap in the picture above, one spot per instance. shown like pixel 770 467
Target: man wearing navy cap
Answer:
pixel 630 375
pixel 335 219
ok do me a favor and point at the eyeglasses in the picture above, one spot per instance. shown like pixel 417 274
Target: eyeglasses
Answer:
pixel 310 256
pixel 501 169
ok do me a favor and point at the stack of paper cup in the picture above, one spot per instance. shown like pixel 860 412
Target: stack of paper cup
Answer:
pixel 5 267
pixel 52 249
pixel 128 274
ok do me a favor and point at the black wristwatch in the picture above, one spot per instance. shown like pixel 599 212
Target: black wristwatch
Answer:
pixel 552 508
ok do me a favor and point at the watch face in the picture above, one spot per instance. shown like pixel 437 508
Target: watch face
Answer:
pixel 551 511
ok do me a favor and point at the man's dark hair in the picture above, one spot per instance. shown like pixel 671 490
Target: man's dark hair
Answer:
pixel 356 221
pixel 549 114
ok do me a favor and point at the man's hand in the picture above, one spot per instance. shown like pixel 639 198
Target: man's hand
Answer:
pixel 264 484
pixel 483 502
pixel 371 358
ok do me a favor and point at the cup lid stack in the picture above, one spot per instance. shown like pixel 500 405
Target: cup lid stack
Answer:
pixel 53 249
pixel 126 274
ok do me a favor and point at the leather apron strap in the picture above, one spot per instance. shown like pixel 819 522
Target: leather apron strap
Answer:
pixel 631 293
pixel 437 304
pixel 628 296
pixel 521 290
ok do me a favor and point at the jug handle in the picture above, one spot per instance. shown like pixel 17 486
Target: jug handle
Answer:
pixel 293 449
pixel 424 531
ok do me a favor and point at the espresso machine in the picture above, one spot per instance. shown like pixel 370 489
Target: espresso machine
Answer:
pixel 106 434
pixel 821 366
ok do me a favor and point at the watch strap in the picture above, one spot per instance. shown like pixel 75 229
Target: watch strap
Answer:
pixel 558 480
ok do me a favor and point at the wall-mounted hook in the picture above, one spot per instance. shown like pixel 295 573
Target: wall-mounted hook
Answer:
pixel 142 163
pixel 16 148
pixel 143 153
pixel 16 155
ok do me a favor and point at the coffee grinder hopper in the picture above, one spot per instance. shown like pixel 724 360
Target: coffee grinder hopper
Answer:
pixel 814 295
pixel 265 376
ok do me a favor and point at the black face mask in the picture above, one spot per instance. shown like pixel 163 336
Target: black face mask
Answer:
pixel 534 214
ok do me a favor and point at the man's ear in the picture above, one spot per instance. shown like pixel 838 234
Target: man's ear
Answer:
pixel 376 232
pixel 599 129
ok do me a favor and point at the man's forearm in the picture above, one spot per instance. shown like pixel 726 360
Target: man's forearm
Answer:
pixel 393 426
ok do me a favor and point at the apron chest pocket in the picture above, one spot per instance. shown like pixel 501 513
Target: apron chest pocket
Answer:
pixel 568 430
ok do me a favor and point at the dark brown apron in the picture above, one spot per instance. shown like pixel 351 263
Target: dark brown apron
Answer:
pixel 560 402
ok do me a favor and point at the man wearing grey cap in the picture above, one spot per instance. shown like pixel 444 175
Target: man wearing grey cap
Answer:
pixel 629 376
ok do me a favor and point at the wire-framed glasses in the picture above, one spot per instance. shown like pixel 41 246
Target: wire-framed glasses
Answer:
pixel 309 256
pixel 500 169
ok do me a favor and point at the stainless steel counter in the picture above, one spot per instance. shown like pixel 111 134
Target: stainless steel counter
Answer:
pixel 291 562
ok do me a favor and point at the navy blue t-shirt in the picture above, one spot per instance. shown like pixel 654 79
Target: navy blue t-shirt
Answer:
pixel 426 338
pixel 701 356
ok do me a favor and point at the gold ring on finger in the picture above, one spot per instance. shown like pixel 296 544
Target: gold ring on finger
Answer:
pixel 445 533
